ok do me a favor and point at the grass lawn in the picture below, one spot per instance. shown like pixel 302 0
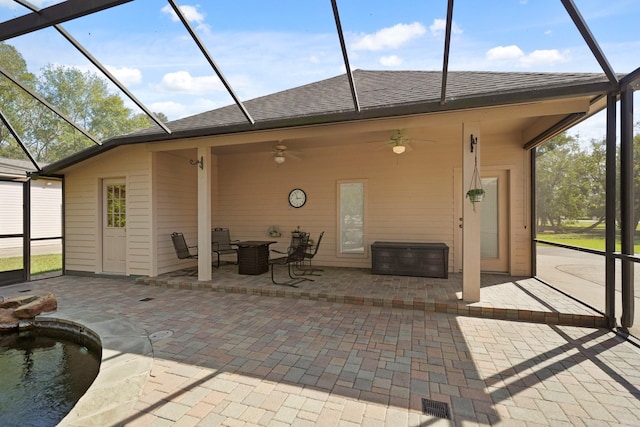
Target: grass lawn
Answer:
pixel 576 235
pixel 39 263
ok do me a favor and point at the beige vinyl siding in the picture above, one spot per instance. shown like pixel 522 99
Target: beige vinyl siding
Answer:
pixel 409 197
pixel 176 206
pixel 83 216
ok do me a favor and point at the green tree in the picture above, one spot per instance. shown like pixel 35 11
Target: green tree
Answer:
pixel 553 162
pixel 15 103
pixel 569 182
pixel 84 97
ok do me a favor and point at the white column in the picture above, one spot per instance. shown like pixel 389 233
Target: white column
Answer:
pixel 471 217
pixel 204 213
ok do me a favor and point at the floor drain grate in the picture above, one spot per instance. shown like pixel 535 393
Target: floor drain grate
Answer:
pixel 159 335
pixel 435 408
pixel 146 299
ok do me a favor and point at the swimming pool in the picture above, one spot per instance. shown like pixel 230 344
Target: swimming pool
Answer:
pixel 43 373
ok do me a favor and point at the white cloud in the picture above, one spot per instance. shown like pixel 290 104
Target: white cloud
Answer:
pixel 12 4
pixel 177 110
pixel 183 82
pixel 127 76
pixel 191 13
pixel 542 57
pixel 390 37
pixel 439 27
pixel 502 53
pixel 548 32
pixel 516 56
pixel 171 109
pixel 390 61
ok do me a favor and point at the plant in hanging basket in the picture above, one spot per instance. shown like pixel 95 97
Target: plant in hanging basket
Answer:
pixel 475 195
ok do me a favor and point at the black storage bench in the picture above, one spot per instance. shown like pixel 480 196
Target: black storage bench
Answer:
pixel 410 259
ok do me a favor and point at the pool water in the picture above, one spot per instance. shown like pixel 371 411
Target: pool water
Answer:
pixel 42 377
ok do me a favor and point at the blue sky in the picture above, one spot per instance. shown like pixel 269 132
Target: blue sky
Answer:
pixel 264 46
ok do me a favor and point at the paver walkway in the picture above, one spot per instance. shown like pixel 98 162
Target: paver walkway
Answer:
pixel 225 358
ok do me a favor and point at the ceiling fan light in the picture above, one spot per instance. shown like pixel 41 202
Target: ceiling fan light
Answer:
pixel 399 148
pixel 278 158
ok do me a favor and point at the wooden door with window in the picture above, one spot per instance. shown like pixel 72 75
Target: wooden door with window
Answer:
pixel 114 226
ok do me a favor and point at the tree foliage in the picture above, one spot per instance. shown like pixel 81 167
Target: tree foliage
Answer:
pixel 83 97
pixel 570 182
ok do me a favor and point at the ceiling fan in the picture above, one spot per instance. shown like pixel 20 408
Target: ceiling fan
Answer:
pixel 279 153
pixel 400 141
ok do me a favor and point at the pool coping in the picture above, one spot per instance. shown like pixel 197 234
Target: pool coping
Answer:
pixel 125 366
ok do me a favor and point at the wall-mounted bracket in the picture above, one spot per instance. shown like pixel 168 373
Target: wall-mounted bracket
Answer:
pixel 198 162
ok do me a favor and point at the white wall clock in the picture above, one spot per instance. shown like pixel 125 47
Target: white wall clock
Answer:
pixel 297 198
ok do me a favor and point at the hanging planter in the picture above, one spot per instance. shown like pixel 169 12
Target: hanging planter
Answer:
pixel 475 195
pixel 476 192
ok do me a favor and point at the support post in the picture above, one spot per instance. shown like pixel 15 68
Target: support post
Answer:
pixel 626 205
pixel 204 213
pixel 471 217
pixel 610 214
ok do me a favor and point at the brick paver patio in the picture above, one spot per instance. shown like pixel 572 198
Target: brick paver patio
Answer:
pixel 247 358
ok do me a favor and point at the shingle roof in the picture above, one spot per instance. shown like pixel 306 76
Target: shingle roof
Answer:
pixel 380 94
pixel 15 167
pixel 381 89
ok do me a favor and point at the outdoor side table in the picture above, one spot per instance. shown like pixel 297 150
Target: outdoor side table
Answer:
pixel 253 256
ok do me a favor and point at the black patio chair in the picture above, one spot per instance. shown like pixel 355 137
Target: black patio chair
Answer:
pixel 183 251
pixel 221 244
pixel 312 250
pixel 292 258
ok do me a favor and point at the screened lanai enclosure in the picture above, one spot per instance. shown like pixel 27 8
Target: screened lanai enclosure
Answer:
pixel 83 79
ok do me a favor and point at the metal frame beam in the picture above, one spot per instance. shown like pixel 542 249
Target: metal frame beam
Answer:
pixel 610 212
pixel 209 58
pixel 101 67
pixel 581 25
pixel 15 135
pixel 445 60
pixel 54 14
pixel 627 231
pixel 632 79
pixel 345 56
